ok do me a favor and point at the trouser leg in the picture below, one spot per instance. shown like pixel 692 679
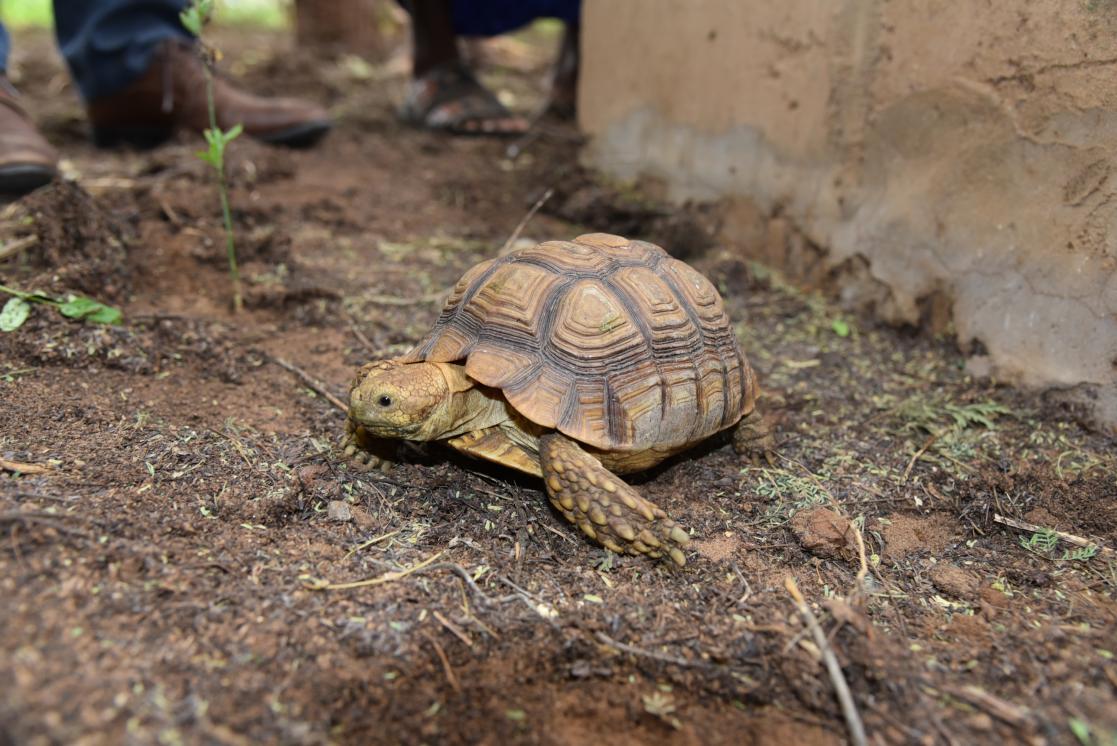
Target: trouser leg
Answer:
pixel 108 44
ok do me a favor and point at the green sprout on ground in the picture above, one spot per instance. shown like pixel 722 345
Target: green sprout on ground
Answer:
pixel 955 432
pixel 194 18
pixel 1044 542
pixel 18 308
pixel 790 493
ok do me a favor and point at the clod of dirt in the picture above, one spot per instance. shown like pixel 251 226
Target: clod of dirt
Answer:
pixel 954 581
pixel 338 510
pixel 908 534
pixel 80 247
pixel 825 533
pixel 992 602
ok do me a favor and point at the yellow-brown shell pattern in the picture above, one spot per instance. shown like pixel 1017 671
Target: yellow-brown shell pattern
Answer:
pixel 612 342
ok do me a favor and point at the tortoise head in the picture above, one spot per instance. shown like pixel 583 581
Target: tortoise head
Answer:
pixel 400 400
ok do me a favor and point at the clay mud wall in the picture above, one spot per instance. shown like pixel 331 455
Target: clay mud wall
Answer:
pixel 951 157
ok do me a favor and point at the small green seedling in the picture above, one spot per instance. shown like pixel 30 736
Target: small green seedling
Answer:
pixel 18 308
pixel 194 19
pixel 1044 542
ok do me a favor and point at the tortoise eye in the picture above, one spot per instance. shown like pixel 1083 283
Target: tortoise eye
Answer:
pixel 384 400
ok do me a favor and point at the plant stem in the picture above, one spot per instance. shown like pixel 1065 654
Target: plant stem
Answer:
pixel 13 291
pixel 223 189
pixel 30 297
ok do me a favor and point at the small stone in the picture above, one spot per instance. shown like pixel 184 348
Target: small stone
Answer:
pixel 338 510
pixel 993 601
pixel 980 722
pixel 825 533
pixel 952 580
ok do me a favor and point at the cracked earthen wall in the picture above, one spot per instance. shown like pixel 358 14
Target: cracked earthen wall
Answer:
pixel 955 150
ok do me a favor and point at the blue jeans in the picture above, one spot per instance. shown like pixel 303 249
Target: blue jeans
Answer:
pixel 109 43
pixel 496 17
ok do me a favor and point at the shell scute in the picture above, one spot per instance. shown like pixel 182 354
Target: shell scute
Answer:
pixel 610 341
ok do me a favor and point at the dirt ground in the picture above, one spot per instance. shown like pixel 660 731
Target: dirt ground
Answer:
pixel 174 564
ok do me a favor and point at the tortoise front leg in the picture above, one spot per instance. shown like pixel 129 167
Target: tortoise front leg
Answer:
pixel 605 508
pixel 365 452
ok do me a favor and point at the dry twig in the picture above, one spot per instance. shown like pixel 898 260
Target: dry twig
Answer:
pixel 317 584
pixel 50 520
pixel 446 667
pixel 22 468
pixel 395 300
pixel 312 383
pixel 841 688
pixel 918 455
pixel 369 543
pixel 14 247
pixel 1035 528
pixel 368 345
pixel 604 639
pixel 1012 714
pixel 525 220
pixel 454 629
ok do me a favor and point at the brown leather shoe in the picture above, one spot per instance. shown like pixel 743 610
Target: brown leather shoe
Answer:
pixel 27 161
pixel 171 96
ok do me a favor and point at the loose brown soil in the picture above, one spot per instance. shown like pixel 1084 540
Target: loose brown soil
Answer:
pixel 169 576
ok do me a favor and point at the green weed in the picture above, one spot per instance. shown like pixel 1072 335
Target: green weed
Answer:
pixel 18 308
pixel 1044 542
pixel 194 18
pixel 790 493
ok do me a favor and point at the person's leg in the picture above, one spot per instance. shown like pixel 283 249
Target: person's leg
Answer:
pixel 138 71
pixel 564 82
pixel 5 49
pixel 497 17
pixel 109 44
pixel 27 160
pixel 444 94
pixel 433 39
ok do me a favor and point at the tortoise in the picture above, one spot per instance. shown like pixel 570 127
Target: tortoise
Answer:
pixel 573 361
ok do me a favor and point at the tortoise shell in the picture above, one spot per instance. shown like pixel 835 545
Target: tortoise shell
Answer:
pixel 612 342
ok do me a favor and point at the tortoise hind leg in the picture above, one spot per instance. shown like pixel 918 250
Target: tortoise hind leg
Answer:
pixel 605 508
pixel 754 438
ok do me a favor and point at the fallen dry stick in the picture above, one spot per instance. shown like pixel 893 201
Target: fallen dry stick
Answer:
pixel 310 382
pixel 515 234
pixel 918 455
pixel 451 677
pixel 395 300
pixel 1034 528
pixel 50 520
pixel 841 688
pixel 22 468
pixel 663 657
pixel 317 584
pixel 14 247
pixel 453 628
pixel 1012 714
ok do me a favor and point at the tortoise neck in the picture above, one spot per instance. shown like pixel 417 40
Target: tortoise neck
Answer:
pixel 468 407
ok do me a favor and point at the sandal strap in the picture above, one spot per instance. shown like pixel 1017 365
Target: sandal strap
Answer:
pixel 446 84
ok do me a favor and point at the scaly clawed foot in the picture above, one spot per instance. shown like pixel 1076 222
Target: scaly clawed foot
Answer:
pixel 364 452
pixel 605 508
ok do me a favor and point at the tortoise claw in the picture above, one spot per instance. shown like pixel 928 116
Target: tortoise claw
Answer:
pixel 363 452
